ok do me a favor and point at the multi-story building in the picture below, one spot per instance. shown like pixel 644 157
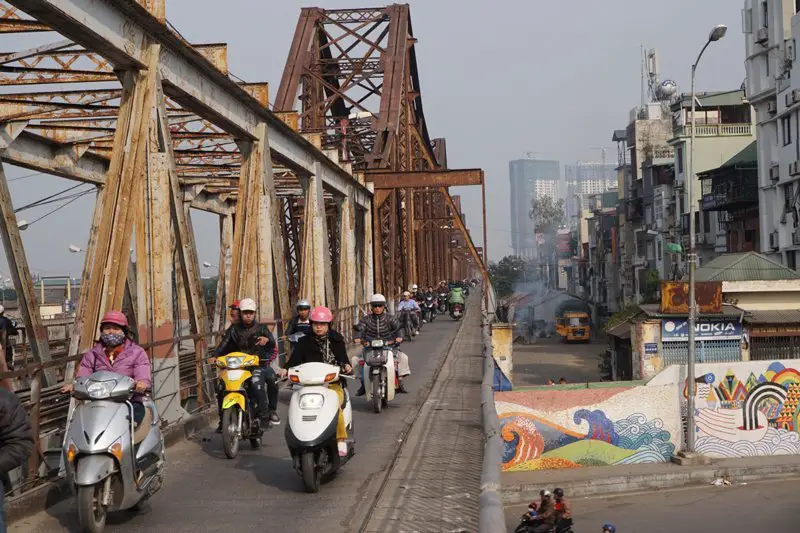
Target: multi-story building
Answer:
pixel 584 179
pixel 772 86
pixel 530 178
pixel 723 128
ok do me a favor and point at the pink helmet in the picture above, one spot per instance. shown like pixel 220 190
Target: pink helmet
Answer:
pixel 115 317
pixel 321 314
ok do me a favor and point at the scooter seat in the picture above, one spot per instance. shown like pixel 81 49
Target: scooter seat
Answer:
pixel 141 431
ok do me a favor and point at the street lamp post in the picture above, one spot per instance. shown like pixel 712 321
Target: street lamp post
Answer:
pixel 717 33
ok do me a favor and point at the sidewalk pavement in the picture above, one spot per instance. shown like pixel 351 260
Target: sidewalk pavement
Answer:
pixel 523 487
pixel 434 483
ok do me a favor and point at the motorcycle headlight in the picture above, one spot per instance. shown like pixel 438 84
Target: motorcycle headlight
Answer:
pixel 233 362
pixel 99 390
pixel 311 401
pixel 376 343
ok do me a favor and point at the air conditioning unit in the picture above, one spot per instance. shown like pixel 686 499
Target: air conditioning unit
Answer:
pixel 773 240
pixel 772 107
pixel 794 168
pixel 775 172
pixel 789 45
pixel 762 35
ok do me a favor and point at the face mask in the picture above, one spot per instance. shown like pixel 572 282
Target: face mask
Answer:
pixel 112 339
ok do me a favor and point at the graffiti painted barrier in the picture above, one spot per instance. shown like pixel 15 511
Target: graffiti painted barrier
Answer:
pixel 743 409
pixel 573 428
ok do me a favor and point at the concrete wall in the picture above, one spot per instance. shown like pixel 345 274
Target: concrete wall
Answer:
pixel 571 427
pixel 757 295
pixel 743 409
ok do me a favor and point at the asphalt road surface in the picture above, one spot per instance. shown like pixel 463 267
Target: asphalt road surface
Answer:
pixel 768 507
pixel 204 491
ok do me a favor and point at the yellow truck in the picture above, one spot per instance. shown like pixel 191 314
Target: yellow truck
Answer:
pixel 574 326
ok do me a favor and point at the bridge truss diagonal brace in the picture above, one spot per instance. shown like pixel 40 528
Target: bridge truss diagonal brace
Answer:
pixel 316 276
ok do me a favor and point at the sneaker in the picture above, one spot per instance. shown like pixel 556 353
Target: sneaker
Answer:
pixel 401 389
pixel 274 418
pixel 342 445
pixel 416 332
pixel 362 391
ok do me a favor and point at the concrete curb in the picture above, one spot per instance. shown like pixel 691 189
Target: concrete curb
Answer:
pixel 53 492
pixel 670 479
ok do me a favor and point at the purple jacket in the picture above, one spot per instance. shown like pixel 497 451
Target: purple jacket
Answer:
pixel 132 361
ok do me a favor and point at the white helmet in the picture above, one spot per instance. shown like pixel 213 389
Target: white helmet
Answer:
pixel 247 304
pixel 377 299
pixel 414 287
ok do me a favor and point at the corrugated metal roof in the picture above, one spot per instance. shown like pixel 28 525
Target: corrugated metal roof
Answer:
pixel 711 99
pixel 728 310
pixel 747 266
pixel 746 158
pixel 784 316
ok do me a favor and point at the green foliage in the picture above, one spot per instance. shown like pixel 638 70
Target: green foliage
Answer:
pixel 509 271
pixel 210 289
pixel 548 215
pixel 652 281
pixel 621 316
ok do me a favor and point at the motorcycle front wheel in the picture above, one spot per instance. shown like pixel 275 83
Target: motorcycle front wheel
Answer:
pixel 230 434
pixel 91 513
pixel 312 476
pixel 377 397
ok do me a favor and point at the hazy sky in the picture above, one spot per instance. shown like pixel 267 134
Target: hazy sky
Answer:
pixel 499 78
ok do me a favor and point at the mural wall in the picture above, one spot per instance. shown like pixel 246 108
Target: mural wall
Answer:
pixel 555 428
pixel 745 409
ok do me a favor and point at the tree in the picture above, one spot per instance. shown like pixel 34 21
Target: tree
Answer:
pixel 509 271
pixel 547 215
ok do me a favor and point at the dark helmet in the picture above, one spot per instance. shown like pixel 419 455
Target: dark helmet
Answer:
pixel 610 528
pixel 559 493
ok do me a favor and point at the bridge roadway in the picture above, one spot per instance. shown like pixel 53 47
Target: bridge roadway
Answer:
pixel 204 491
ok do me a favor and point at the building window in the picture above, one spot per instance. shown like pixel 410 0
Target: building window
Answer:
pixel 658 250
pixel 791 260
pixel 679 154
pixel 797 6
pixel 766 64
pixel 788 197
pixel 786 129
pixel 764 15
pixel 706 222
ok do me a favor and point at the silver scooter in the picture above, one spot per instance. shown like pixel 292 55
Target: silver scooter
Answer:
pixel 110 464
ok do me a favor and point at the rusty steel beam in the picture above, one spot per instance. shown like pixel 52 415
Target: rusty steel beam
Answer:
pixel 430 178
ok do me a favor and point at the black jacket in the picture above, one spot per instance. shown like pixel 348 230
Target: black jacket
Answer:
pixel 16 436
pixel 383 327
pixel 294 326
pixel 7 325
pixel 309 350
pixel 240 338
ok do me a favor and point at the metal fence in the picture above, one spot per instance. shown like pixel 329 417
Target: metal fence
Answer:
pixel 491 518
pixel 48 408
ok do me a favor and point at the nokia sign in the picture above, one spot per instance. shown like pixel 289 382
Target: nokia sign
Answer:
pixel 678 330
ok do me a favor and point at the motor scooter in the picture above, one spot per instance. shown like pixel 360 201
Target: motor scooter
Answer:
pixel 429 308
pixel 111 464
pixel 456 311
pixel 379 373
pixel 313 415
pixel 239 419
pixel 442 302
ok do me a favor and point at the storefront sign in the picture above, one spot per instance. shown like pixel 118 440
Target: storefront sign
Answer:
pixel 705 330
pixel 650 348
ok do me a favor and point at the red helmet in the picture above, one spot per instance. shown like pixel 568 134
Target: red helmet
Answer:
pixel 235 304
pixel 321 314
pixel 115 317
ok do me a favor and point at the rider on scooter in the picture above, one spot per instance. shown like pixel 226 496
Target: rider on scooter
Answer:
pixel 407 304
pixel 324 345
pixel 380 325
pixel 116 352
pixel 300 323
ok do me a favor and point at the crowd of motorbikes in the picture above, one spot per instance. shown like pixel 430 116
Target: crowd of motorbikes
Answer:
pixel 113 464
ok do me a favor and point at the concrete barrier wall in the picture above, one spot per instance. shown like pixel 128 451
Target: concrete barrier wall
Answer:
pixel 743 409
pixel 573 427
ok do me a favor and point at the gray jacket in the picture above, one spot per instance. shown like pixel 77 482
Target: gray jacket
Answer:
pixel 383 326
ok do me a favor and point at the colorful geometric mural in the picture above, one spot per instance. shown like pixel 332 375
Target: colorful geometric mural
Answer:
pixel 747 412
pixel 582 428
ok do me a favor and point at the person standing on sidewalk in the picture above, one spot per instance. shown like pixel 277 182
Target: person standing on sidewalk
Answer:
pixel 16 442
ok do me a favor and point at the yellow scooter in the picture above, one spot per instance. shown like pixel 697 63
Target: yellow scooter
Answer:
pixel 239 419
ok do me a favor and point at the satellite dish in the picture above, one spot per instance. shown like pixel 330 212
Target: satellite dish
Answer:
pixel 667 89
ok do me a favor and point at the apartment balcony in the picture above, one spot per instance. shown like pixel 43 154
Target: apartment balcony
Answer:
pixel 730 196
pixel 713 130
pixel 634 209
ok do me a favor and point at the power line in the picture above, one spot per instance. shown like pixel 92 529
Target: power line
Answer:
pixel 44 200
pixel 78 196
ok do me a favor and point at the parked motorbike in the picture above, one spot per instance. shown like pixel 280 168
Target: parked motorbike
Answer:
pixel 456 311
pixel 528 524
pixel 239 419
pixel 379 373
pixel 429 309
pixel 111 464
pixel 311 431
pixel 406 324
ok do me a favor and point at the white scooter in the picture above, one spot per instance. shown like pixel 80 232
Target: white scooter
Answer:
pixel 109 463
pixel 379 377
pixel 313 415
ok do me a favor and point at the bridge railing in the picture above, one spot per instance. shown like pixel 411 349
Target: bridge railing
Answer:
pixel 48 408
pixel 491 518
